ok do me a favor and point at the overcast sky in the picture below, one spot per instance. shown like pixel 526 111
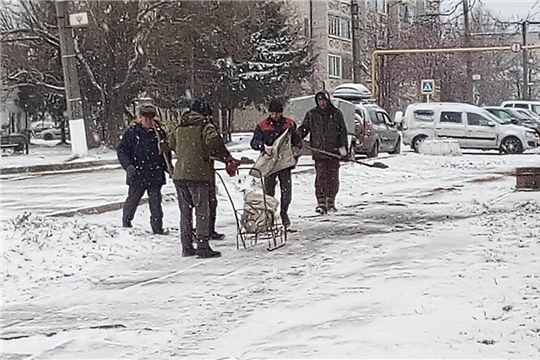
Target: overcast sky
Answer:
pixel 513 9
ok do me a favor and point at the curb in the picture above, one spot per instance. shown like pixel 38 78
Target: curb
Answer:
pixel 56 167
pixel 101 209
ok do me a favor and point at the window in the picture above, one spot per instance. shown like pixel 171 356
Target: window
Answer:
pixel 346 29
pixel 536 109
pixel 476 120
pixel 503 115
pixel 451 117
pixel 334 66
pixel 333 26
pixel 347 65
pixel 339 27
pixel 376 6
pixel 424 115
pixel 387 119
pixel 381 6
pixel 380 118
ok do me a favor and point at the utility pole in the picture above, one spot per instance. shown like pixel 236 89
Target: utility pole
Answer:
pixel 355 20
pixel 77 131
pixel 525 54
pixel 468 58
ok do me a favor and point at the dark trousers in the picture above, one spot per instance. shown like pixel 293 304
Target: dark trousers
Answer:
pixel 285 185
pixel 326 181
pixel 213 208
pixel 194 195
pixel 135 194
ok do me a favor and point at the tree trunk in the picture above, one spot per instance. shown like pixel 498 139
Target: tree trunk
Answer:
pixel 112 122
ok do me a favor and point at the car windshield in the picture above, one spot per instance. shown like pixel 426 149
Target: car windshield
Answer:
pixel 536 109
pixel 517 115
pixel 495 118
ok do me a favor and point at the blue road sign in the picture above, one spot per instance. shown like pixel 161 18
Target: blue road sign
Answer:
pixel 428 87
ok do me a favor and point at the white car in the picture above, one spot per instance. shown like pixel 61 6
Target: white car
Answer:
pixel 533 106
pixel 472 126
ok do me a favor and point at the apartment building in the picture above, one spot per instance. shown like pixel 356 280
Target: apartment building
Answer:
pixel 329 24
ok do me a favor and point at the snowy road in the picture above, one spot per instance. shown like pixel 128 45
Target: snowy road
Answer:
pixel 48 194
pixel 435 257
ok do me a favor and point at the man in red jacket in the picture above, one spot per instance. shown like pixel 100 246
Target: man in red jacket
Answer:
pixel 266 133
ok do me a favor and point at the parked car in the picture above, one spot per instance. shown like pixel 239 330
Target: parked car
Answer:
pixel 528 113
pixel 47 130
pixel 516 117
pixel 472 126
pixel 533 106
pixel 375 131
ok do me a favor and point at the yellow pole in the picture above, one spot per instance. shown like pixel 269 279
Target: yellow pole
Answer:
pixel 376 53
pixel 374 74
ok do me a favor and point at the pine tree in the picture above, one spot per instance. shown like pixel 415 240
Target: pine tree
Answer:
pixel 278 59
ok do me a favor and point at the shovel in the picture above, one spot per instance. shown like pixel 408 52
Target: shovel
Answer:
pixel 377 164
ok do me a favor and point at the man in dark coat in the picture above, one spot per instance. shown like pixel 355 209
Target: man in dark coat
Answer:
pixel 328 132
pixel 267 131
pixel 195 140
pixel 140 155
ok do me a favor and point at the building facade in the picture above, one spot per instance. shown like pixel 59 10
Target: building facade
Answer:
pixel 330 24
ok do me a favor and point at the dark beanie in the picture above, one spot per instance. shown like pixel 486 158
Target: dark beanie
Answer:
pixel 147 110
pixel 275 106
pixel 202 107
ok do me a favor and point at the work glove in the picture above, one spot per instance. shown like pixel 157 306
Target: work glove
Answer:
pixel 232 167
pixel 130 170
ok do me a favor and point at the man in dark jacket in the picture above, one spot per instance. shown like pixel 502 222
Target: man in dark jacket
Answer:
pixel 145 166
pixel 266 133
pixel 195 141
pixel 328 133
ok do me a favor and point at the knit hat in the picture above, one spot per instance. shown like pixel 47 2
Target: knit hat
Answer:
pixel 147 110
pixel 202 107
pixel 275 106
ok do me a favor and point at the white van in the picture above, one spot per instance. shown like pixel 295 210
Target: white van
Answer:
pixel 472 126
pixel 533 106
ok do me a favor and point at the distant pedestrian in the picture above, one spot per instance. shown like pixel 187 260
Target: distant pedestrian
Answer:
pixel 267 131
pixel 195 141
pixel 328 133
pixel 140 155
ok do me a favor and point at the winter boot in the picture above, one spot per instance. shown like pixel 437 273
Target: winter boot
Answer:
pixel 161 232
pixel 188 251
pixel 285 220
pixel 127 224
pixel 204 251
pixel 331 204
pixel 217 236
pixel 321 208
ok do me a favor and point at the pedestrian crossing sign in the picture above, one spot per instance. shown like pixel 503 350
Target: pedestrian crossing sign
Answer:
pixel 428 87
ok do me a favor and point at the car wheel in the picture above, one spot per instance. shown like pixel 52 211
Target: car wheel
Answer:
pixel 47 136
pixel 375 151
pixel 397 149
pixel 417 141
pixel 511 145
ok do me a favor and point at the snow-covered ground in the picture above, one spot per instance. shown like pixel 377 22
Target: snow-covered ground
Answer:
pixel 43 152
pixel 434 257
